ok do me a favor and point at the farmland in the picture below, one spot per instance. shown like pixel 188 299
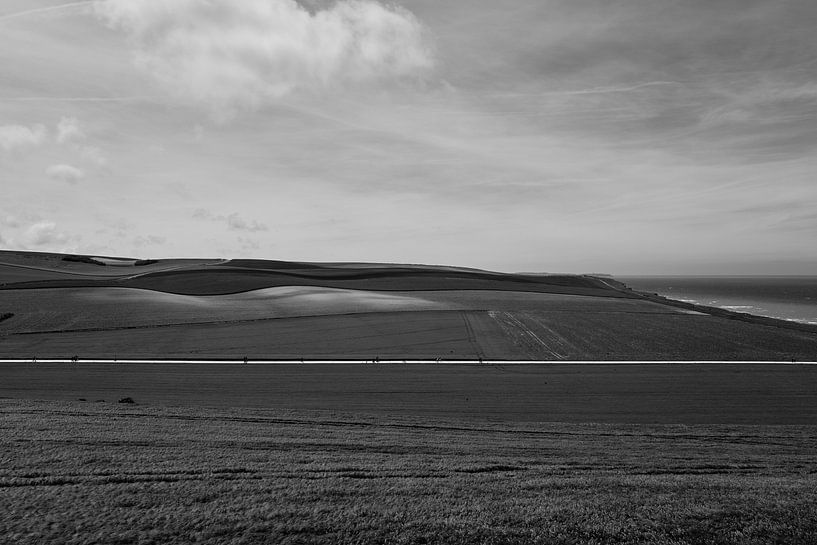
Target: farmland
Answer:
pixel 95 307
pixel 75 472
pixel 395 453
pixel 428 452
pixel 496 335
pixel 689 394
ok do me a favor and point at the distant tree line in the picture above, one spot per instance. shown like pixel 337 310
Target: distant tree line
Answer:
pixel 92 261
pixel 82 259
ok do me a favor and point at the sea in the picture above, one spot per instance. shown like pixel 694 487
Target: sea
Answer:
pixel 791 298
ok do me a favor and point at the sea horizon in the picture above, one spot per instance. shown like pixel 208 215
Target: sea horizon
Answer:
pixel 785 297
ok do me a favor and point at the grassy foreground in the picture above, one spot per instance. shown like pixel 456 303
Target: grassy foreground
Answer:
pixel 84 472
pixel 667 393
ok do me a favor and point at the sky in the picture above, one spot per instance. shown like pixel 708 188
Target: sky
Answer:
pixel 587 136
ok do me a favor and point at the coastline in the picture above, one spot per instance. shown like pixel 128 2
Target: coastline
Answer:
pixel 714 311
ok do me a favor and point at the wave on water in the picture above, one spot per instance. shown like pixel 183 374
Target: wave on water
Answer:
pixel 786 298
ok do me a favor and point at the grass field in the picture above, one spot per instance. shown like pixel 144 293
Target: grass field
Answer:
pixel 29 270
pixel 73 472
pixel 582 333
pixel 61 306
pixel 690 394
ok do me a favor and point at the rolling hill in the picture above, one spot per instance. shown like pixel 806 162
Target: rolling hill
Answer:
pixel 102 307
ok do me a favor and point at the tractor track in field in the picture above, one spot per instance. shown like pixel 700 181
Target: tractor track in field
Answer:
pixel 524 336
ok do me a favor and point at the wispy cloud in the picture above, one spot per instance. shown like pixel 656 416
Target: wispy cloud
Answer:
pixel 237 223
pixel 48 9
pixel 590 91
pixel 93 155
pixel 233 221
pixel 14 137
pixel 65 173
pixel 68 129
pixel 90 99
pixel 248 244
pixel 71 133
pixel 230 56
pixel 149 240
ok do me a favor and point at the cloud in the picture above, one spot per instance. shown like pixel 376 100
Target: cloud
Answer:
pixel 93 155
pixel 233 221
pixel 248 243
pixel 68 129
pixel 202 214
pixel 230 56
pixel 11 221
pixel 43 233
pixel 32 232
pixel 69 132
pixel 35 11
pixel 13 137
pixel 150 240
pixel 65 173
pixel 237 223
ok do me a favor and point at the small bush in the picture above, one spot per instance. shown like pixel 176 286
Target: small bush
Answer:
pixel 127 400
pixel 5 316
